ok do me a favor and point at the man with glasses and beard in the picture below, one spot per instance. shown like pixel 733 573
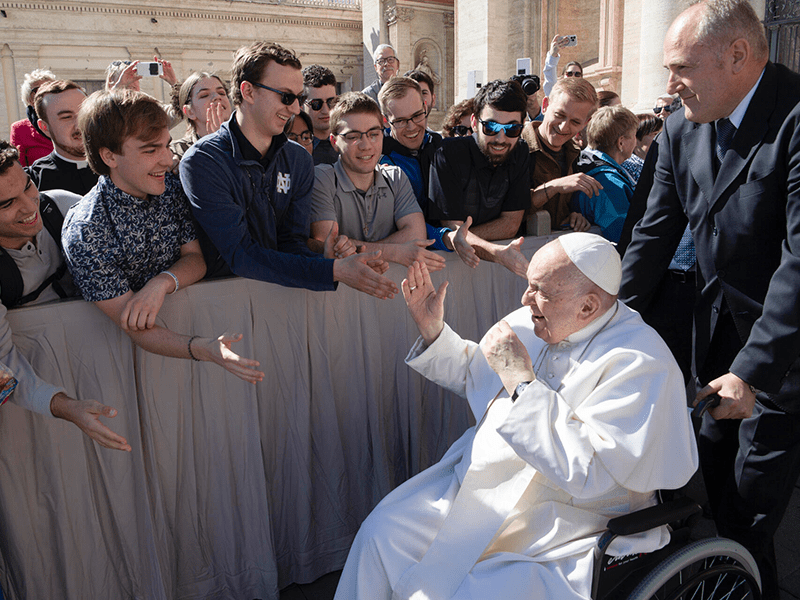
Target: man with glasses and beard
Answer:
pixel 554 153
pixel 57 103
pixel 482 180
pixel 250 189
pixel 319 85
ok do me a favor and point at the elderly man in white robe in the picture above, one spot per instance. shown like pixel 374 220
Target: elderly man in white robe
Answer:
pixel 581 416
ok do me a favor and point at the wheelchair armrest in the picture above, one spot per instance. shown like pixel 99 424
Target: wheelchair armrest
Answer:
pixel 655 516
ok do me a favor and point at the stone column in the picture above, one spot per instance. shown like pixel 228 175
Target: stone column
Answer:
pixel 478 45
pixel 374 33
pixel 9 87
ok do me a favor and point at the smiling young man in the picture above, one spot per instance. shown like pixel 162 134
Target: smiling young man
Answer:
pixel 319 85
pixel 372 205
pixel 485 176
pixel 554 154
pixel 32 271
pixel 57 103
pixel 130 241
pixel 250 189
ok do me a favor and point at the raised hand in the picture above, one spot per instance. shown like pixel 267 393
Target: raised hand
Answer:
pixel 219 351
pixel 425 303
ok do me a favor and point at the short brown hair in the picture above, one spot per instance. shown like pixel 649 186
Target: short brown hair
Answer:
pixel 396 88
pixel 576 88
pixel 350 103
pixel 51 87
pixel 421 77
pixel 107 119
pixel 455 114
pixel 609 124
pixel 250 61
pixel 8 156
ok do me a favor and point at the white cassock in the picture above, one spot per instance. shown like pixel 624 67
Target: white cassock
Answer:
pixel 516 505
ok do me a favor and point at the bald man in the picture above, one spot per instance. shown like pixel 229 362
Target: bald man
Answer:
pixel 577 403
pixel 728 166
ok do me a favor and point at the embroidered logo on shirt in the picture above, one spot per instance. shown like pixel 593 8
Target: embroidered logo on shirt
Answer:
pixel 284 183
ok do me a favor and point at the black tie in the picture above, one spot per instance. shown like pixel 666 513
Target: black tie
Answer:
pixel 725 132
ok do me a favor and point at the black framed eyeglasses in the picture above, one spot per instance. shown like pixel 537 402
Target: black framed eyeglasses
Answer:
pixel 287 98
pixel 301 138
pixel 461 130
pixel 316 103
pixel 384 61
pixel 417 117
pixel 373 135
pixel 512 130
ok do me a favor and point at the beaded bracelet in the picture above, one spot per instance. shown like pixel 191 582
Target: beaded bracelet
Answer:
pixel 189 347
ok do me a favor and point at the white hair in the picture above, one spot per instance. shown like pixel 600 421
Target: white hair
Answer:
pixel 380 49
pixel 30 82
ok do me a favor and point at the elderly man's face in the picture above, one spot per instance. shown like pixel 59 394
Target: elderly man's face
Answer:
pixel 386 64
pixel 552 297
pixel 696 73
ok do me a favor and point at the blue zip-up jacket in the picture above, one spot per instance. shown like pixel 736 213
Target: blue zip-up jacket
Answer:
pixel 258 219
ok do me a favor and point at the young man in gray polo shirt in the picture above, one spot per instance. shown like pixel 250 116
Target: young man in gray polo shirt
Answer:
pixel 371 206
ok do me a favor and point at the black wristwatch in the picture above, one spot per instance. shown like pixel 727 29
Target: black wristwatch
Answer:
pixel 520 388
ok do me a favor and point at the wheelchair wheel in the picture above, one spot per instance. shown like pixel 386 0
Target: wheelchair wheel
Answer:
pixel 709 569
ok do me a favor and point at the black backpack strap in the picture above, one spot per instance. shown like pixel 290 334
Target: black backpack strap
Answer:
pixel 11 285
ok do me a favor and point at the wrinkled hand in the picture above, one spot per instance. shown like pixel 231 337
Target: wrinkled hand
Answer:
pixel 219 351
pixel 360 271
pixel 462 247
pixel 85 414
pixel 578 222
pixel 511 257
pixel 737 400
pixel 142 309
pixel 577 182
pixel 126 79
pixel 408 252
pixel 425 303
pixel 167 72
pixel 507 356
pixel 216 115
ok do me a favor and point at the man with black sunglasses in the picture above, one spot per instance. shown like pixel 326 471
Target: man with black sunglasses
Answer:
pixel 485 176
pixel 319 85
pixel 250 189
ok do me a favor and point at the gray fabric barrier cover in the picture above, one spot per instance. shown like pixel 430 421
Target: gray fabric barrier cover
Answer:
pixel 232 490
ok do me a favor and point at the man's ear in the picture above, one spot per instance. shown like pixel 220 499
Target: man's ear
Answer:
pixel 246 88
pixel 740 52
pixel 590 306
pixel 545 103
pixel 43 126
pixel 473 120
pixel 108 157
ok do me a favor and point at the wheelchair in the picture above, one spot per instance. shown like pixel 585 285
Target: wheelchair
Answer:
pixel 706 569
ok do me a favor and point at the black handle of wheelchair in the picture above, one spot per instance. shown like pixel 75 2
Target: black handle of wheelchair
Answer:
pixel 655 516
pixel 706 404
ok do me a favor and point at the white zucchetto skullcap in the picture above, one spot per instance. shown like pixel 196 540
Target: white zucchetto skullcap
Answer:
pixel 595 257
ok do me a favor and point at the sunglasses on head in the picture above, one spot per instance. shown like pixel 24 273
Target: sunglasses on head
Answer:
pixel 573 74
pixel 461 130
pixel 287 98
pixel 493 128
pixel 316 103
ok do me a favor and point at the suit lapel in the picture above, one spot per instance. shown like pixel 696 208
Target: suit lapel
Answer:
pixel 749 136
pixel 696 145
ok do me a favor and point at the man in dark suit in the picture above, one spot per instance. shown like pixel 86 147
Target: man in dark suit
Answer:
pixel 739 189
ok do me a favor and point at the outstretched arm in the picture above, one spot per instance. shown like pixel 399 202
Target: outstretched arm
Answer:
pixel 85 414
pixel 160 340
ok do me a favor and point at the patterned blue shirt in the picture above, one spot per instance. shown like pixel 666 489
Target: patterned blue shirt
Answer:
pixel 115 242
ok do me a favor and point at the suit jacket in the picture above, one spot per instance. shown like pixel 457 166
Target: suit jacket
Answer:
pixel 746 227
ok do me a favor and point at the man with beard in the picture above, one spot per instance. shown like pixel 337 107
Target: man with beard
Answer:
pixel 554 153
pixel 57 103
pixel 485 176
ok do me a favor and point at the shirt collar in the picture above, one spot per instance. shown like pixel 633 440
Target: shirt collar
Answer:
pixel 737 116
pixel 593 327
pixel 344 179
pixel 80 164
